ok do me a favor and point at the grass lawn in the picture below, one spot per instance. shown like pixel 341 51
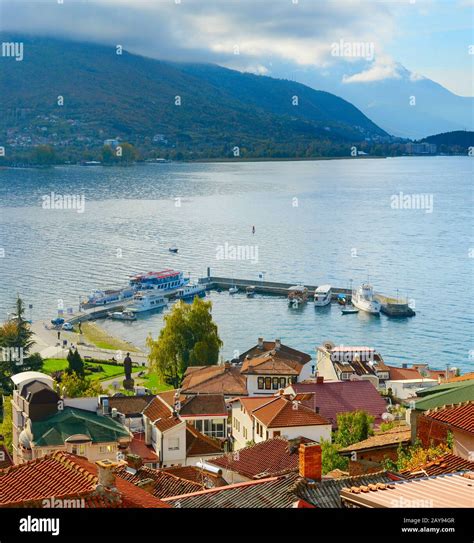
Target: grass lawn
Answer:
pixel 100 338
pixel 109 370
pixel 152 382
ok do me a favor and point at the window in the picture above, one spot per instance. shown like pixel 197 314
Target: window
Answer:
pixel 261 430
pixel 268 383
pixel 173 444
pixel 260 382
pixel 103 449
pixel 276 433
pixel 275 383
pixel 282 382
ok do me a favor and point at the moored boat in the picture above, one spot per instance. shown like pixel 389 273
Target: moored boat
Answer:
pixel 122 316
pixel 147 301
pixel 363 298
pixel 190 291
pixel 250 291
pixel 164 281
pixel 322 295
pixel 297 295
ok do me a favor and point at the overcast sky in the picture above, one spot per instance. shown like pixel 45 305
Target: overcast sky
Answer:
pixel 429 37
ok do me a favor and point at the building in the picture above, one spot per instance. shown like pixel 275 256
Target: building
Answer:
pixel 223 379
pixel 346 363
pixel 262 370
pixel 208 413
pixel 62 480
pixel 128 408
pixel 43 423
pixel 269 492
pixel 434 425
pixel 421 148
pixel 112 142
pixel 368 455
pixel 270 366
pixel 406 389
pixel 270 458
pixel 331 398
pixel 443 492
pixel 261 418
pixel 174 441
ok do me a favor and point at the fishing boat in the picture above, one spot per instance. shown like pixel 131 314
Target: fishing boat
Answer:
pixel 147 301
pixel 297 295
pixel 165 281
pixel 363 299
pixel 173 249
pixel 250 291
pixel 122 316
pixel 348 310
pixel 322 295
pixel 190 291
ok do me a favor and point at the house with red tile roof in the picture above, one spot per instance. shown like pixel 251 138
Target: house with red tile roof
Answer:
pixel 446 463
pixel 434 425
pixel 175 441
pixel 331 398
pixel 274 457
pixel 65 480
pixel 260 418
pixel 223 379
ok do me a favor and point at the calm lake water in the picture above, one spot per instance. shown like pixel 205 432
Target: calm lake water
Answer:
pixel 316 222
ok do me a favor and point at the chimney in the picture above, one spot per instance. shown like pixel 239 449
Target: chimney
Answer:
pixel 277 344
pixel 148 485
pixel 310 464
pixel 260 343
pixel 106 473
pixel 320 379
pixel 134 461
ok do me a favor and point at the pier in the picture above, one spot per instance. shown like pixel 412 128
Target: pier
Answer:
pixel 391 307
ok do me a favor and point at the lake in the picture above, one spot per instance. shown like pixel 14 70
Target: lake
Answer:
pixel 405 222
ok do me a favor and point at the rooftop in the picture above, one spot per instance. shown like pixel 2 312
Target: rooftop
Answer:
pixel 197 475
pixel 198 404
pixel 161 415
pixel 443 491
pixel 447 463
pixel 445 394
pixel 71 421
pixel 332 398
pixel 273 492
pixel 65 476
pixel 390 438
pixel 130 405
pixel 266 459
pixel 271 362
pixel 400 374
pixel 140 448
pixel 219 379
pixel 326 493
pixel 459 416
pixel 285 351
pixel 197 444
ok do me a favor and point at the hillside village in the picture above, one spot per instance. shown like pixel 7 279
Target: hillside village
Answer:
pixel 273 428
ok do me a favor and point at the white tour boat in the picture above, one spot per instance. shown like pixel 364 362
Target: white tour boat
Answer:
pixel 123 316
pixel 147 301
pixel 322 295
pixel 190 291
pixel 363 299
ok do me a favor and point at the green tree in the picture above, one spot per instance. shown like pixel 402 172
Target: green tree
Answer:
pixel 331 459
pixel 108 155
pixel 129 153
pixel 75 362
pixel 7 423
pixel 73 386
pixel 44 155
pixel 353 427
pixel 16 340
pixel 189 338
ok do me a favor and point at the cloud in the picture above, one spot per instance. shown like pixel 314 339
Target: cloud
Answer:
pixel 383 68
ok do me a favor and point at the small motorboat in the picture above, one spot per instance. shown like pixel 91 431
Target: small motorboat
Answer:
pixel 250 291
pixel 233 290
pixel 364 299
pixel 173 249
pixel 297 295
pixel 123 316
pixel 322 296
pixel 348 310
pixel 341 299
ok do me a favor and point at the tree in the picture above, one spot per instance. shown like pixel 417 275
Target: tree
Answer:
pixel 75 362
pixel 107 155
pixel 189 338
pixel 16 340
pixel 129 153
pixel 44 155
pixel 331 459
pixel 7 423
pixel 73 386
pixel 353 427
pixel 415 455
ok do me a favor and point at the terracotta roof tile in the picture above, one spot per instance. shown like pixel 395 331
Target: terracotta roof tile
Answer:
pixel 161 415
pixel 281 413
pixel 215 380
pixel 273 362
pixel 266 459
pixel 466 377
pixel 287 352
pixel 399 374
pixel 459 416
pixel 64 476
pixel 447 463
pixel 197 475
pixel 140 448
pixel 165 484
pixel 130 405
pixel 393 437
pixel 197 444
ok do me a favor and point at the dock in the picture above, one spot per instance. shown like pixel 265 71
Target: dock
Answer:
pixel 390 306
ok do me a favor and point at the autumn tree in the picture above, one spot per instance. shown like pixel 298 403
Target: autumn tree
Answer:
pixel 189 338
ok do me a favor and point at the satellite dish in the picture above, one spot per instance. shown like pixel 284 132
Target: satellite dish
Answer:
pixel 328 345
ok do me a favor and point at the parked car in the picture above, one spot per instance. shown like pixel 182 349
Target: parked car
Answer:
pixel 68 326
